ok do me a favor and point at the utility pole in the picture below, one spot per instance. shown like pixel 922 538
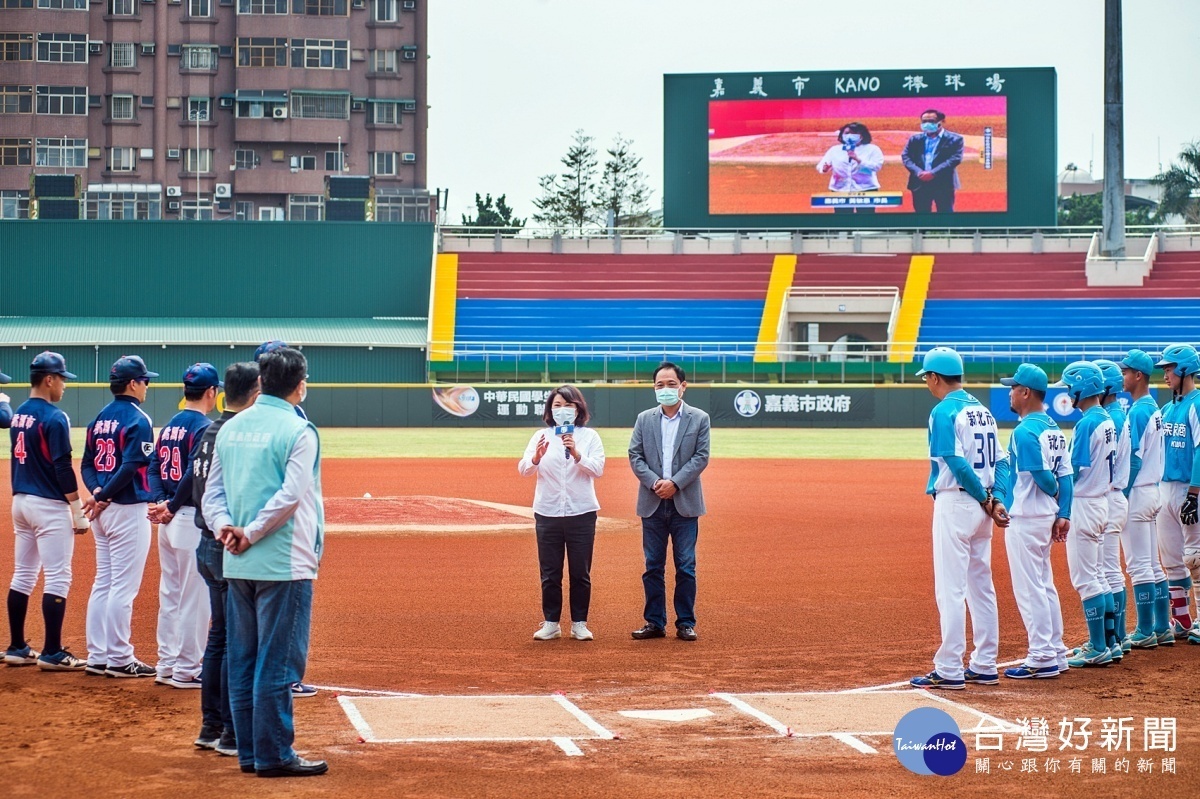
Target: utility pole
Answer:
pixel 1112 238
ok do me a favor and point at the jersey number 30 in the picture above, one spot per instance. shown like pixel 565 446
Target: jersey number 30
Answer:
pixel 985 451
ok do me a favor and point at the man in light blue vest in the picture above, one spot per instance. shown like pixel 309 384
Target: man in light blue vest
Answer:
pixel 264 501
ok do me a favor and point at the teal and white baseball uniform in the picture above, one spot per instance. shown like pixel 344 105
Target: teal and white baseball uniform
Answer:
pixel 1179 544
pixel 1093 455
pixel 1139 539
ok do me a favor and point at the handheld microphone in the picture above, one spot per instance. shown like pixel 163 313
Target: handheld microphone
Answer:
pixel 562 430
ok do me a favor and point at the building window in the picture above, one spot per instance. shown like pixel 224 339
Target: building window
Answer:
pixel 121 106
pixel 59 5
pixel 384 113
pixel 335 160
pixel 62 100
pixel 383 163
pixel 384 60
pixel 121 55
pixel 243 209
pixel 197 161
pixel 62 48
pixel 16 46
pixel 16 99
pixel 16 152
pixel 245 159
pixel 196 209
pixel 308 163
pixel 137 204
pixel 306 207
pixel 321 8
pixel 14 204
pixel 321 53
pixel 199 58
pixel 61 152
pixel 320 106
pixel 121 159
pixel 262 6
pixel 199 8
pixel 122 8
pixel 385 10
pixel 255 51
pixel 199 109
pixel 402 205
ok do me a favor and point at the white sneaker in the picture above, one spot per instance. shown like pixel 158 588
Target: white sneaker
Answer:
pixel 548 631
pixel 580 631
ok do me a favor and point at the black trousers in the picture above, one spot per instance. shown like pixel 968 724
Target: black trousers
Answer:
pixel 573 536
pixel 925 197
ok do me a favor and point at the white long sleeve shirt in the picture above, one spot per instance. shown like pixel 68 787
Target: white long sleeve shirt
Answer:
pixel 847 175
pixel 564 487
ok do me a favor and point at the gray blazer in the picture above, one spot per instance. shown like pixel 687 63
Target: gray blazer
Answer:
pixel 689 460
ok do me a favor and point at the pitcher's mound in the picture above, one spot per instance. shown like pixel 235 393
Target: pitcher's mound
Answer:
pixel 426 515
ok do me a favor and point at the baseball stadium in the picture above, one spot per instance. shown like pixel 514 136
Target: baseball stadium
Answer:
pixel 814 346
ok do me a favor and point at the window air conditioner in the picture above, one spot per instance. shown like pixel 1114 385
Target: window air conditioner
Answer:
pixel 409 158
pixel 225 102
pixel 95 48
pixel 409 5
pixel 148 48
pixel 174 191
pixel 172 155
pixel 173 205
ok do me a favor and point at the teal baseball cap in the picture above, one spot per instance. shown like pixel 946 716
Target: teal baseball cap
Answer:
pixel 1028 376
pixel 942 361
pixel 1139 361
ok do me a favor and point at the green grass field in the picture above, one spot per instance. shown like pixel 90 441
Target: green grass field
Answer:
pixel 507 442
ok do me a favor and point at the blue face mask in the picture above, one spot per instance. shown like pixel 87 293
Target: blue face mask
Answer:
pixel 929 127
pixel 667 396
pixel 563 415
pixel 852 139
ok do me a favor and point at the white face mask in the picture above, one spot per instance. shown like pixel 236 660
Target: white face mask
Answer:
pixel 563 415
pixel 304 393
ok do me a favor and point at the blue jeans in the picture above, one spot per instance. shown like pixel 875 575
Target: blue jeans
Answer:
pixel 666 523
pixel 214 676
pixel 268 643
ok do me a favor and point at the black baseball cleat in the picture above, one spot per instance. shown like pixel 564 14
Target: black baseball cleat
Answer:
pixel 297 768
pixel 134 669
pixel 95 669
pixel 649 631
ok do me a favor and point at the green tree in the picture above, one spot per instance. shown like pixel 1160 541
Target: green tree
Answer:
pixel 492 215
pixel 623 189
pixel 1181 187
pixel 569 199
pixel 1088 209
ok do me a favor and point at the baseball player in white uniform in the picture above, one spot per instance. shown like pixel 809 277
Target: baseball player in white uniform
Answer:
pixel 962 452
pixel 1139 539
pixel 1093 450
pixel 1118 503
pixel 1035 482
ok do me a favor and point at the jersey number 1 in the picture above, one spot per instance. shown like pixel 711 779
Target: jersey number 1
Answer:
pixel 986 451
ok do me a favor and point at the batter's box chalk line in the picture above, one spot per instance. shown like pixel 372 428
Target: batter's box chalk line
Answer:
pixel 853 738
pixel 561 737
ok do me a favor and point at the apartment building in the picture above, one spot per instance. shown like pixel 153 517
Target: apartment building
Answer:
pixel 214 109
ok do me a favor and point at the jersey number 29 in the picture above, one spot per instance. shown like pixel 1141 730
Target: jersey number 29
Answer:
pixel 170 466
pixel 985 450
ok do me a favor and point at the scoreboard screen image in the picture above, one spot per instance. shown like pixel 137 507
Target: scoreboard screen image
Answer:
pixel 913 148
pixel 796 156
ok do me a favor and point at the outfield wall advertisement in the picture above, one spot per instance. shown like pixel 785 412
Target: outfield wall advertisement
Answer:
pixel 902 148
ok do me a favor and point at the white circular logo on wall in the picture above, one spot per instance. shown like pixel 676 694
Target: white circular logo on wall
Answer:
pixel 1062 405
pixel 747 403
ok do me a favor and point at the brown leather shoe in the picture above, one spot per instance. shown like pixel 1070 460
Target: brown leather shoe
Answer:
pixel 649 631
pixel 686 633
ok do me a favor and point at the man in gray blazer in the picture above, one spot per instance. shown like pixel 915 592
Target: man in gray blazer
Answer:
pixel 670 499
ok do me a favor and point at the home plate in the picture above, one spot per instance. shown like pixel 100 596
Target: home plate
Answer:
pixel 472 719
pixel 683 714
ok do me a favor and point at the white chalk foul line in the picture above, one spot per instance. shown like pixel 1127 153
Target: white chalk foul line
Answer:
pixel 906 684
pixel 356 718
pixel 750 710
pixel 854 743
pixel 365 691
pixel 568 746
pixel 584 718
pixel 998 724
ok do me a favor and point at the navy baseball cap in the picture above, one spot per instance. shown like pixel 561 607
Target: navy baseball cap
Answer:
pixel 202 375
pixel 1028 376
pixel 268 346
pixel 50 363
pixel 129 367
pixel 1139 361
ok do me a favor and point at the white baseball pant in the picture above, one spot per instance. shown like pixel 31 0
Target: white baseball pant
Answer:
pixel 962 578
pixel 183 605
pixel 1084 546
pixel 44 541
pixel 1118 515
pixel 1139 539
pixel 1175 540
pixel 1027 541
pixel 122 534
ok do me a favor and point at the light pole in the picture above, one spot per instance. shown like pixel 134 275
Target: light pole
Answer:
pixel 196 115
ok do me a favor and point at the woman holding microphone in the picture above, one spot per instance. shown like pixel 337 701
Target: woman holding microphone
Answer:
pixel 567 457
pixel 853 165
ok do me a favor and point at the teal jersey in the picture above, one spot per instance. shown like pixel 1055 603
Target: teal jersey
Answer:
pixel 1146 440
pixel 1121 463
pixel 1094 453
pixel 1181 437
pixel 1037 444
pixel 959 426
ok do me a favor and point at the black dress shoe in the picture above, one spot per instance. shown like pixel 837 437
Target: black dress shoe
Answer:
pixel 649 631
pixel 297 768
pixel 686 633
pixel 248 769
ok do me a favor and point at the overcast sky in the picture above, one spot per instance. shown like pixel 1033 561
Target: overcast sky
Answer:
pixel 510 80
